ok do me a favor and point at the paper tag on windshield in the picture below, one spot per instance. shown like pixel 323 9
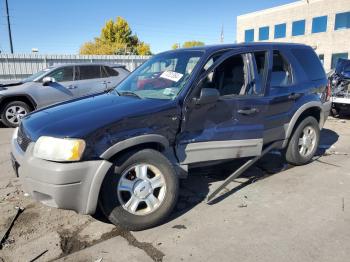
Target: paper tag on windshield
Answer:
pixel 171 75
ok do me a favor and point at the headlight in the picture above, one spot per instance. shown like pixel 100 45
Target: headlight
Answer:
pixel 59 149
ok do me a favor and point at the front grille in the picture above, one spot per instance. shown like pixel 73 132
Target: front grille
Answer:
pixel 23 140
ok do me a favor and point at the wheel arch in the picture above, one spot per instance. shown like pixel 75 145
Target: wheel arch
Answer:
pixel 153 141
pixel 18 97
pixel 309 109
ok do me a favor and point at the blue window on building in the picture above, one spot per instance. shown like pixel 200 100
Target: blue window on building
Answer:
pixel 335 58
pixel 249 35
pixel 342 21
pixel 280 31
pixel 319 24
pixel 264 33
pixel 298 28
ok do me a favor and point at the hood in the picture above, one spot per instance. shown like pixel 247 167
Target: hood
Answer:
pixel 82 117
pixel 10 87
pixel 7 83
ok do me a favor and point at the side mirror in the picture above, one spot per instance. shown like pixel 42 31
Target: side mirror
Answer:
pixel 207 96
pixel 48 80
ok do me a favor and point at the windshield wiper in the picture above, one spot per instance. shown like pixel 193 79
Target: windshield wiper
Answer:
pixel 128 93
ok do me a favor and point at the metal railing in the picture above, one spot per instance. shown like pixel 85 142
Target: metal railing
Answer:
pixel 19 66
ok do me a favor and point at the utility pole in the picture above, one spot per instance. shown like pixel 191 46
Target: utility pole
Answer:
pixel 8 25
pixel 222 34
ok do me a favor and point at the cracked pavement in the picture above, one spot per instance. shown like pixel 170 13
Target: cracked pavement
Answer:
pixel 274 212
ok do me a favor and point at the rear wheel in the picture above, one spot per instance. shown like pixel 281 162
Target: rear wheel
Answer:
pixel 13 112
pixel 304 142
pixel 141 192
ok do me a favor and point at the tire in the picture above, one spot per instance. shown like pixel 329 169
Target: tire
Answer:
pixel 115 193
pixel 13 111
pixel 335 112
pixel 295 154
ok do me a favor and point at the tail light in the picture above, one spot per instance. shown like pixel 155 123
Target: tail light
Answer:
pixel 328 91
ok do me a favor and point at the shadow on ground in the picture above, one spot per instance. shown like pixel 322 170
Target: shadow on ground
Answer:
pixel 195 188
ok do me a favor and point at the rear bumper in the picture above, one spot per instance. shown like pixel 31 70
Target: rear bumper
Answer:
pixel 73 186
pixel 341 100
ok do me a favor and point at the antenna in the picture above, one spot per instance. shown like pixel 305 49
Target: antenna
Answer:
pixel 8 25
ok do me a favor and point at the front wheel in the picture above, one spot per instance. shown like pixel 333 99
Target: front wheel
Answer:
pixel 304 142
pixel 141 191
pixel 13 112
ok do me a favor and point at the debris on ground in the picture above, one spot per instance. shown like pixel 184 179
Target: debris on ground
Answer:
pixel 180 227
pixel 39 256
pixel 7 233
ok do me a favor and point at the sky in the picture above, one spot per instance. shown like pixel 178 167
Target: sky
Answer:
pixel 62 26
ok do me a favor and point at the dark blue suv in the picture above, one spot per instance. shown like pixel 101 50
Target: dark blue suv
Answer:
pixel 124 150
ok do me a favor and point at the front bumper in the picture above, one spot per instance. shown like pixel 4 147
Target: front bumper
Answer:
pixel 73 186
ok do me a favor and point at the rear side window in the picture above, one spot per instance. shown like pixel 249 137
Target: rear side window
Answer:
pixel 89 72
pixel 310 63
pixel 111 71
pixel 281 74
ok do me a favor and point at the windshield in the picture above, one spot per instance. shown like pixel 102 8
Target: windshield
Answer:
pixel 161 77
pixel 36 75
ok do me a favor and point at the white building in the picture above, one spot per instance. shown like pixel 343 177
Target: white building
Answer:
pixel 322 24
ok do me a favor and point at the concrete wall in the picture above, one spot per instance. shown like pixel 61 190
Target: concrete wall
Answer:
pixel 326 43
pixel 19 66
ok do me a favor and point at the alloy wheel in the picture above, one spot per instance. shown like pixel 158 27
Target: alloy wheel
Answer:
pixel 307 141
pixel 15 113
pixel 141 189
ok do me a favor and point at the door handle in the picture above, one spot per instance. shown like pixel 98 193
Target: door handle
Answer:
pixel 248 111
pixel 294 96
pixel 72 87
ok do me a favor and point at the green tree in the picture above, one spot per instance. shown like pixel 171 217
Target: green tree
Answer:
pixel 188 44
pixel 116 38
pixel 143 49
pixel 175 46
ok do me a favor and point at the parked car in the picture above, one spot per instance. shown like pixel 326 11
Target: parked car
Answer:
pixel 125 150
pixel 55 84
pixel 340 81
pixel 121 69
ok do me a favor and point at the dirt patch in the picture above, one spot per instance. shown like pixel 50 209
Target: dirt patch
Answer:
pixel 150 250
pixel 71 242
pixel 180 227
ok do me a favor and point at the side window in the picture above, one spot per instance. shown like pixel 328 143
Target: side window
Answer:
pixel 104 72
pixel 111 71
pixel 281 71
pixel 261 68
pixel 310 63
pixel 229 78
pixel 64 74
pixel 89 72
